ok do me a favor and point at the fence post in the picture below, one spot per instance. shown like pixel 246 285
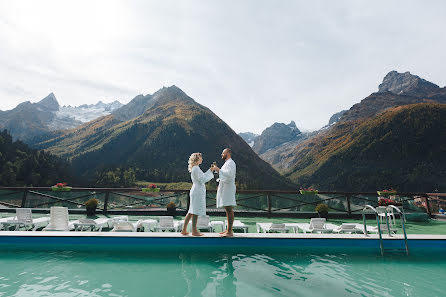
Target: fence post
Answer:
pixel 428 207
pixel 269 201
pixel 349 209
pixel 107 195
pixel 25 194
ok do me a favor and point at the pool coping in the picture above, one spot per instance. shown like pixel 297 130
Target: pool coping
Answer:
pixel 216 235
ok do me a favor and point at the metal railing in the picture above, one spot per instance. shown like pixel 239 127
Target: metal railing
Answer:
pixel 375 212
pixel 249 202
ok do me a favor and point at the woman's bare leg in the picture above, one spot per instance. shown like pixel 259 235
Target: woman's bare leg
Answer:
pixel 194 226
pixel 186 222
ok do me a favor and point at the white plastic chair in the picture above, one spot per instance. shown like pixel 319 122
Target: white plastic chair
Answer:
pixel 4 220
pixel 125 226
pixel 271 227
pixel 203 222
pixel 24 218
pixel 347 228
pixel 317 225
pixel 381 210
pixel 90 224
pixel 58 219
pixel 238 225
pixel 166 223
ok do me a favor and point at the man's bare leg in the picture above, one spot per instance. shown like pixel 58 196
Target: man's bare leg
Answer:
pixel 230 217
pixel 194 226
pixel 227 220
pixel 186 221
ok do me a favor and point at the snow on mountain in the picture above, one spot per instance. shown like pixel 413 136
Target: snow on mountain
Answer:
pixel 86 113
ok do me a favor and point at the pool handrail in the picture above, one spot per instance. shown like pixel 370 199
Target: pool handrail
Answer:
pixel 393 207
pixel 379 226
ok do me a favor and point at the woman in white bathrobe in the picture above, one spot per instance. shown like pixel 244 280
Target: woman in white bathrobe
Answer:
pixel 197 194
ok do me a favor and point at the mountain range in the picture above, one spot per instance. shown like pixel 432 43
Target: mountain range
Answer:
pixel 31 121
pixel 326 160
pixel 154 136
pixel 395 137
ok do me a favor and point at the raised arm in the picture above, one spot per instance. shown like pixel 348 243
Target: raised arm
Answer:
pixel 200 176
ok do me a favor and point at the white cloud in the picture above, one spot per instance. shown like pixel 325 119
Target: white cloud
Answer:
pixel 252 62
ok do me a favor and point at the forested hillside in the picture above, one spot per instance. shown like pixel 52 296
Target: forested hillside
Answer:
pixel 21 165
pixel 403 148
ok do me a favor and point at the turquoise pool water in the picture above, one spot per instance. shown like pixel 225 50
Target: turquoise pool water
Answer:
pixel 248 273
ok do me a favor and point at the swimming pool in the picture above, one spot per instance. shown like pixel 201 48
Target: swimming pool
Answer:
pixel 85 265
pixel 246 273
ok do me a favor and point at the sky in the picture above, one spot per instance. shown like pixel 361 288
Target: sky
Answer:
pixel 251 62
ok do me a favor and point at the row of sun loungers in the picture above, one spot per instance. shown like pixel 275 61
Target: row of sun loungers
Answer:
pixel 319 225
pixel 59 221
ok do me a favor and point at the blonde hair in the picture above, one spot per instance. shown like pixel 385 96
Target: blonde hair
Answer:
pixel 193 160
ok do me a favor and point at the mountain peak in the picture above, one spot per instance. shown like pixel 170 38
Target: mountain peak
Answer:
pixel 405 83
pixel 49 103
pixel 292 125
pixel 275 135
pixel 172 93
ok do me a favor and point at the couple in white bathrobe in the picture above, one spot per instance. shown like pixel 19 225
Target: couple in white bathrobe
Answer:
pixel 225 191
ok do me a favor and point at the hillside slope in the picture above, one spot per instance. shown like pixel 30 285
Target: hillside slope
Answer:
pixel 404 148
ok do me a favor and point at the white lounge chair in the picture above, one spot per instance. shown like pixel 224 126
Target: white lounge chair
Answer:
pixel 271 227
pixel 4 220
pixel 374 229
pixel 126 226
pixel 346 228
pixel 147 225
pixel 24 217
pixel 59 220
pixel 166 223
pixel 316 225
pixel 238 225
pixel 203 223
pixel 92 225
pixel 382 210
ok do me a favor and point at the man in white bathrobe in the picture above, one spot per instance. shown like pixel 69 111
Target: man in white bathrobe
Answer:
pixel 226 189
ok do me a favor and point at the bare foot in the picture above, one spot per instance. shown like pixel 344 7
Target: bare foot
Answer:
pixel 227 234
pixel 184 233
pixel 223 232
pixel 197 234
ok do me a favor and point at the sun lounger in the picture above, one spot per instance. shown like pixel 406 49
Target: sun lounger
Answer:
pixel 316 225
pixel 271 227
pixel 92 225
pixel 238 225
pixel 59 220
pixel 147 225
pixel 166 223
pixel 4 220
pixel 203 223
pixel 125 226
pixel 374 229
pixel 345 228
pixel 24 218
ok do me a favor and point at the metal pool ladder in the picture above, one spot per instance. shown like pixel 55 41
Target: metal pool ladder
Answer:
pixel 387 223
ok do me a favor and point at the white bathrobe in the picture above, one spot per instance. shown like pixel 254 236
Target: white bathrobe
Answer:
pixel 198 191
pixel 226 186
